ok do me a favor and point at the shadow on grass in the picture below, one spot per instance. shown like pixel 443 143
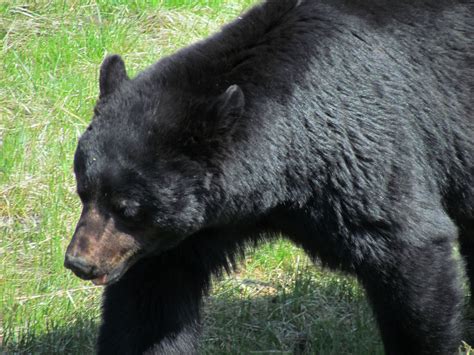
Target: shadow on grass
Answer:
pixel 314 315
pixel 322 315
pixel 76 338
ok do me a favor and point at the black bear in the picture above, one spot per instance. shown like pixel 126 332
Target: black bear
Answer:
pixel 345 126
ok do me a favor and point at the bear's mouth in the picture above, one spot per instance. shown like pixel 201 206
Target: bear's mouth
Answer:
pixel 115 274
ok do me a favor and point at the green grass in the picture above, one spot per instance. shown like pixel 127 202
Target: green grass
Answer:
pixel 51 51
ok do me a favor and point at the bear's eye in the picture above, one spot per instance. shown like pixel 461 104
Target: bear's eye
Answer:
pixel 127 208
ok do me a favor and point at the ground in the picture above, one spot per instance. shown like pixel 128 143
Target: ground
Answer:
pixel 51 52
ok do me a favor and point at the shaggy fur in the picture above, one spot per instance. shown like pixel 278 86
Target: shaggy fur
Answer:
pixel 346 126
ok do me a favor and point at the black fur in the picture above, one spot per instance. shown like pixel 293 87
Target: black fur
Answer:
pixel 346 126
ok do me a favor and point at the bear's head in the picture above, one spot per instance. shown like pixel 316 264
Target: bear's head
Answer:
pixel 145 169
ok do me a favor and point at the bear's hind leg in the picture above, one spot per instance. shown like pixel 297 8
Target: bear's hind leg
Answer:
pixel 414 289
pixel 466 247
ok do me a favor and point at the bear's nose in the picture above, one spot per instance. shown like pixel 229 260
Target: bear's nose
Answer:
pixel 79 266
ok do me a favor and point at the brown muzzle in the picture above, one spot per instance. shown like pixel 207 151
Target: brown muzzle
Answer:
pixel 97 246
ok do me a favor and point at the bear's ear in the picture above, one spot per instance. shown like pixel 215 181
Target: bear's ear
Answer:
pixel 218 117
pixel 112 74
pixel 228 107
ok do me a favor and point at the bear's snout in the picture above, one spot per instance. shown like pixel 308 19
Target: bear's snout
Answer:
pixel 98 250
pixel 80 267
